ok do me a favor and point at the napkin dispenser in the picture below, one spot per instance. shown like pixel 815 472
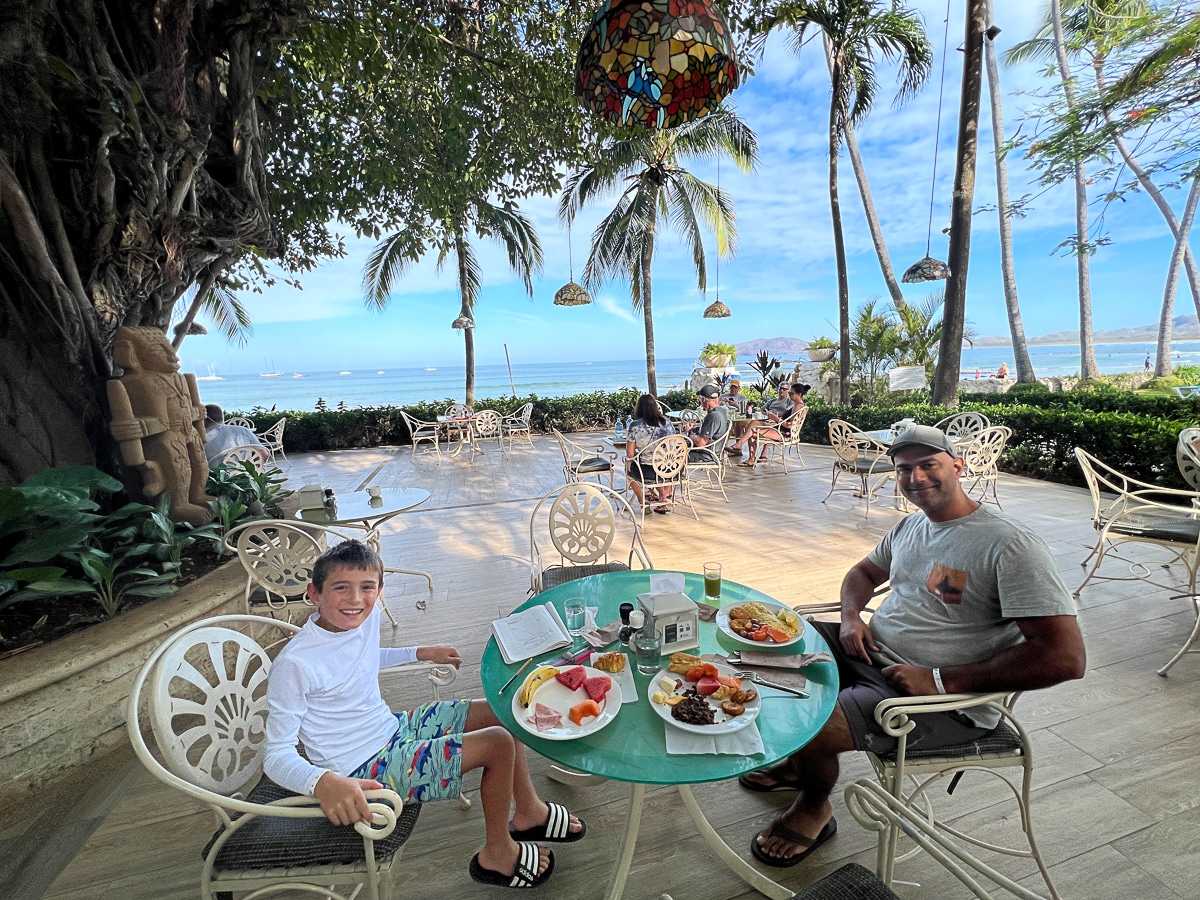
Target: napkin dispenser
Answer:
pixel 311 496
pixel 676 616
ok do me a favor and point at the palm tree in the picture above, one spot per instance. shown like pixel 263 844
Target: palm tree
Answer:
pixel 506 224
pixel 1016 327
pixel 856 30
pixel 648 164
pixel 874 342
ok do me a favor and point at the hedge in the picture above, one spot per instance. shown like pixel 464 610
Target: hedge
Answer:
pixel 1135 434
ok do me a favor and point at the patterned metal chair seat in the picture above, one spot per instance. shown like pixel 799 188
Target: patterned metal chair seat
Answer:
pixel 556 575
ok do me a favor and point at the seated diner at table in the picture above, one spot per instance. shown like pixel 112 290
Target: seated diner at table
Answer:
pixel 735 398
pixel 775 428
pixel 649 424
pixel 709 438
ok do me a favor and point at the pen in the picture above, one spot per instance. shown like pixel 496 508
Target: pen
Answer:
pixel 515 674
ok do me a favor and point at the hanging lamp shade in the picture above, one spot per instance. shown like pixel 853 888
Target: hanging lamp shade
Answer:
pixel 572 294
pixel 926 269
pixel 717 310
pixel 463 322
pixel 656 63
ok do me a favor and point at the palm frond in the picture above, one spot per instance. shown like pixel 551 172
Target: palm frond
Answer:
pixel 683 216
pixel 470 275
pixel 387 262
pixel 514 230
pixel 222 306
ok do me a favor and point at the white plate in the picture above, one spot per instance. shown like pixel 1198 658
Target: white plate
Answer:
pixel 560 698
pixel 725 723
pixel 723 624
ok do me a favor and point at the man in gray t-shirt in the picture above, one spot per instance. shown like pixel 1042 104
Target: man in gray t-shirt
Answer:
pixel 976 606
pixel 713 430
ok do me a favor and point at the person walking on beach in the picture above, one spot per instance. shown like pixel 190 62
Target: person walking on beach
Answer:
pixel 1146 366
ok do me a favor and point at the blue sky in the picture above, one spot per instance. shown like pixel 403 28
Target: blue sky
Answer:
pixel 782 281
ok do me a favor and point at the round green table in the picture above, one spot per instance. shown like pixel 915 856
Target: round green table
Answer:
pixel 632 748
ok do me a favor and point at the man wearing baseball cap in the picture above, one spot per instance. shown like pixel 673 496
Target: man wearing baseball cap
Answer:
pixel 735 397
pixel 975 605
pixel 709 440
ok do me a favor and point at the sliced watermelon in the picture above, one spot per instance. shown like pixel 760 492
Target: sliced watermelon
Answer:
pixel 597 686
pixel 707 685
pixel 573 677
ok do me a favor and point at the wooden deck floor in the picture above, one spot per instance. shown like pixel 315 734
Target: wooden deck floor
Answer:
pixel 1116 802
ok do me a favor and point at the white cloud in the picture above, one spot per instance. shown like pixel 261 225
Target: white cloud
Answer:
pixel 622 308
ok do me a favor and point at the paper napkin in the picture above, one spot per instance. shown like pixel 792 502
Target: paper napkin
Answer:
pixel 773 670
pixel 707 612
pixel 666 583
pixel 601 637
pixel 744 742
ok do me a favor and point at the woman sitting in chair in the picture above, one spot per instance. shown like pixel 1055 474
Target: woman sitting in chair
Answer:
pixel 774 429
pixel 648 426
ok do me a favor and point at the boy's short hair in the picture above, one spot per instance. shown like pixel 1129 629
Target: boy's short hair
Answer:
pixel 348 554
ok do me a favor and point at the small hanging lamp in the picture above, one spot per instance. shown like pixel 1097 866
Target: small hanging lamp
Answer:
pixel 717 309
pixel 463 322
pixel 928 268
pixel 655 63
pixel 571 294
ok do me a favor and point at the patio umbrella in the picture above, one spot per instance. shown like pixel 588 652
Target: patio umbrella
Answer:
pixel 656 63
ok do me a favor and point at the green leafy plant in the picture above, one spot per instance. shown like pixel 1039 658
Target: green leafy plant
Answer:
pixel 169 540
pixel 821 343
pixel 228 511
pixel 715 349
pixel 767 368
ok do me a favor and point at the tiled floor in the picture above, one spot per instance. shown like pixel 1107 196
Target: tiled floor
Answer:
pixel 1116 802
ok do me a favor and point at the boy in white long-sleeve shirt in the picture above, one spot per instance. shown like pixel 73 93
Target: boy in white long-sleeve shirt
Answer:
pixel 323 693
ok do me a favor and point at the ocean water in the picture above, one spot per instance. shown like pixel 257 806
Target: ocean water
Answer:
pixel 369 386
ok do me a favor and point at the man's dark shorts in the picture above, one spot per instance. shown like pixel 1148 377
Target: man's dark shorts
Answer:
pixel 863 687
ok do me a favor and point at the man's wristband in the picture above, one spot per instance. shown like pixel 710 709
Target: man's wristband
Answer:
pixel 937 680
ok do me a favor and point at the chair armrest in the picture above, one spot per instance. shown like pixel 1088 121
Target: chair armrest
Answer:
pixel 383 816
pixel 437 673
pixel 894 714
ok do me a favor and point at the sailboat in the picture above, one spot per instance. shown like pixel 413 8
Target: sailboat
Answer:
pixel 211 376
pixel 270 374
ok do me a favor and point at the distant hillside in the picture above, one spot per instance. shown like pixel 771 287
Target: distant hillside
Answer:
pixel 1183 328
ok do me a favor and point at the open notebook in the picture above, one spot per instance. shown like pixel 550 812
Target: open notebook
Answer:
pixel 530 632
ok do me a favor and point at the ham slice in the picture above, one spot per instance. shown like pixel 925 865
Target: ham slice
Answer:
pixel 544 718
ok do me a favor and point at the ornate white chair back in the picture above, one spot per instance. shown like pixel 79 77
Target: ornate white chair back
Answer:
pixel 583 524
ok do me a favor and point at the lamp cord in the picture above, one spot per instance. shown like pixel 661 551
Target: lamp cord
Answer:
pixel 570 254
pixel 938 130
pixel 718 247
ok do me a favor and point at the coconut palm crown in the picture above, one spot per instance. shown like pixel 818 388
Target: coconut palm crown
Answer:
pixel 646 167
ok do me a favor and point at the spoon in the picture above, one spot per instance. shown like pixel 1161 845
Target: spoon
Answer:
pixel 758 679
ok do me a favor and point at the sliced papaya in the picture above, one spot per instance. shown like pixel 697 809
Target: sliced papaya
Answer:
pixel 709 670
pixel 695 673
pixel 730 681
pixel 581 711
pixel 778 635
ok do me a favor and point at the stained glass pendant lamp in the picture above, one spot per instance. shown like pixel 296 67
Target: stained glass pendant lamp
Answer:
pixel 463 322
pixel 928 268
pixel 571 294
pixel 655 63
pixel 717 310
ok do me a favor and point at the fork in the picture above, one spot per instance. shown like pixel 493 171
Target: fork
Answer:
pixel 758 679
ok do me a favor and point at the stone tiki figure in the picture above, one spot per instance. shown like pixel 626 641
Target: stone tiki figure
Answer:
pixel 158 423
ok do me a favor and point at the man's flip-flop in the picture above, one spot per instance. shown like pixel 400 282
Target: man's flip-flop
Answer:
pixel 662 510
pixel 747 464
pixel 557 829
pixel 778 829
pixel 775 785
pixel 524 873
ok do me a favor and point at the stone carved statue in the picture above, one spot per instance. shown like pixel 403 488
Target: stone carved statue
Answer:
pixel 158 423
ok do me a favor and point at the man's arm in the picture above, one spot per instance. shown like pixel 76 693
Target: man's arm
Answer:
pixel 858 587
pixel 1051 653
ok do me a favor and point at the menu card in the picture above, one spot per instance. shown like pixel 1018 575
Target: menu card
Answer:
pixel 530 633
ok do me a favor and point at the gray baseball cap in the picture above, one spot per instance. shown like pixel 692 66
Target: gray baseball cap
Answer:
pixel 709 391
pixel 924 436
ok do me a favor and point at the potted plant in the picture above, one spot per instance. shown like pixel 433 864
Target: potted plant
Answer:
pixel 821 349
pixel 717 356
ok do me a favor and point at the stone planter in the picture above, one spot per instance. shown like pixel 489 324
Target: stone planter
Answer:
pixel 821 354
pixel 64 703
pixel 717 360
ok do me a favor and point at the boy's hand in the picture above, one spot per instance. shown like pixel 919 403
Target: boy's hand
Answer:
pixel 442 654
pixel 342 799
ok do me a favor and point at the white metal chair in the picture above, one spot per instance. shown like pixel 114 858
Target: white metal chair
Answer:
pixel 423 432
pixel 963 425
pixel 859 455
pixel 204 690
pixel 691 417
pixel 981 458
pixel 582 461
pixel 518 425
pixel 486 427
pixel 791 441
pixel 708 462
pixel 272 439
pixel 240 420
pixel 258 456
pixel 1128 511
pixel 278 557
pixel 668 457
pixel 584 524
pixel 1187 456
pixel 461 427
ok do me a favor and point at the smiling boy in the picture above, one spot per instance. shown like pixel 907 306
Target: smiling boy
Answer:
pixel 323 693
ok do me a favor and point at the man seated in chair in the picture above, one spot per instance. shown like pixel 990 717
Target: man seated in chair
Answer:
pixel 323 691
pixel 735 399
pixel 976 606
pixel 220 438
pixel 710 437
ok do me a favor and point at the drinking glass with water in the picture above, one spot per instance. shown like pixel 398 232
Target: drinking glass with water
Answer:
pixel 576 617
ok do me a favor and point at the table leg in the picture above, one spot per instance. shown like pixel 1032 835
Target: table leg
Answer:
pixel 633 821
pixel 740 867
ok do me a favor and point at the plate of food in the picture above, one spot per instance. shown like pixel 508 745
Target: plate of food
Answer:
pixel 567 703
pixel 761 623
pixel 704 698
